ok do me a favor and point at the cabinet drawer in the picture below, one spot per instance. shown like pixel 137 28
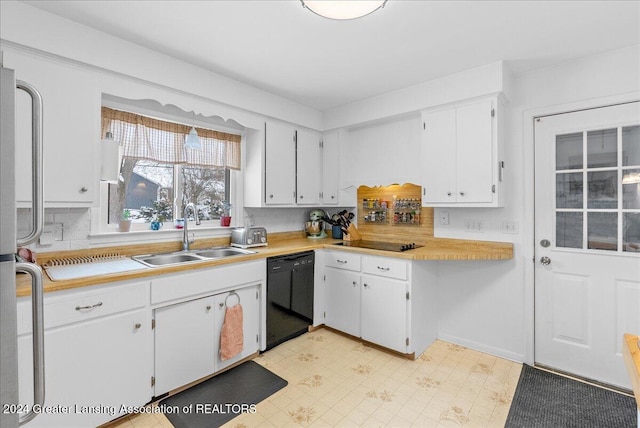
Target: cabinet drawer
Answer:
pixel 74 306
pixel 342 260
pixel 384 266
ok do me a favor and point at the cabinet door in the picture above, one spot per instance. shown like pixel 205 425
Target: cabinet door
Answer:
pixel 330 168
pixel 185 341
pixel 280 164
pixel 71 132
pixel 342 300
pixel 100 364
pixel 439 156
pixel 308 173
pixel 474 154
pixel 384 312
pixel 249 298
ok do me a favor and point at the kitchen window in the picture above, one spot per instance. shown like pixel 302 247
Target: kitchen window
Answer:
pixel 159 175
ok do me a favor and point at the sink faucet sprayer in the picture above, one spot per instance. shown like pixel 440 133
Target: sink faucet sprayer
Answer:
pixel 185 232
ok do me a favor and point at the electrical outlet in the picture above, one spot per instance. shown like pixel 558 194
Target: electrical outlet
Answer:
pixel 473 225
pixel 509 226
pixel 444 218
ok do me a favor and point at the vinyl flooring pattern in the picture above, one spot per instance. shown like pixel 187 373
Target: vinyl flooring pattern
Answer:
pixel 336 381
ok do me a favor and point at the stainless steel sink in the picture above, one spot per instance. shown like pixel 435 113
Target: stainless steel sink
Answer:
pixel 221 252
pixel 154 260
pixel 180 257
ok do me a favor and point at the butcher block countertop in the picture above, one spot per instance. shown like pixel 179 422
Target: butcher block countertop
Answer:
pixel 279 244
pixel 631 353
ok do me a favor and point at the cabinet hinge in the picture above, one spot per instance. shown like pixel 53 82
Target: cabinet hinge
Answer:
pixel 408 295
pixel 321 144
pixel 424 192
pixel 153 324
pixel 493 112
pixel 324 314
pixel 257 296
pixel 257 338
pixel 324 278
pixel 493 189
pixel 295 137
pixel 407 341
pixel 153 381
pixel 424 125
pixel 320 195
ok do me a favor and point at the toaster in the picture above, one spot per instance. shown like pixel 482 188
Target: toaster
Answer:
pixel 245 237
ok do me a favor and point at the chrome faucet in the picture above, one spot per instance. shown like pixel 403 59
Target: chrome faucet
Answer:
pixel 185 231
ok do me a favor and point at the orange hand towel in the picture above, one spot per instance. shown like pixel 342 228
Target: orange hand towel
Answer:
pixel 231 336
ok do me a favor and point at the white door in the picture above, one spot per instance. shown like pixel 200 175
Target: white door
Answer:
pixel 587 240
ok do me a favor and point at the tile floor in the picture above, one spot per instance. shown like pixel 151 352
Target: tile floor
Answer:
pixel 335 381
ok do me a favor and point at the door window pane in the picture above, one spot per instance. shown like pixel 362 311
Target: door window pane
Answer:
pixel 631 234
pixel 569 151
pixel 569 230
pixel 569 190
pixel 602 148
pixel 631 189
pixel 603 231
pixel 603 189
pixel 631 146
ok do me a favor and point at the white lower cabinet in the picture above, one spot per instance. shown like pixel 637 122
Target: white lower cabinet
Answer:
pixel 383 300
pixel 98 355
pixel 184 343
pixel 342 294
pixel 248 297
pixel 187 337
pixel 384 312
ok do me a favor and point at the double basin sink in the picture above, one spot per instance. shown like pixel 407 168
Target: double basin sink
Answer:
pixel 180 257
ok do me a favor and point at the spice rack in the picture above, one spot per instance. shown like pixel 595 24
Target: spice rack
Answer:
pixel 406 211
pixel 375 211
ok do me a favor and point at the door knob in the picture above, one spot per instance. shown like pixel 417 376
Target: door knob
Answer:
pixel 546 261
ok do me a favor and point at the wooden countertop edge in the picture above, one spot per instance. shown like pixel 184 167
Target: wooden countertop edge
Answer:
pixel 435 249
pixel 631 353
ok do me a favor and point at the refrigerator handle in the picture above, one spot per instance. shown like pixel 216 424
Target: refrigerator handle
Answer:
pixel 37 311
pixel 36 160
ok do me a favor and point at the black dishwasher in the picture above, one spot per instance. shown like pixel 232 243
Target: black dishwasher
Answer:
pixel 289 296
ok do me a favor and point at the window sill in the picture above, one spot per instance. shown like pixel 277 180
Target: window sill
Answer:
pixel 139 236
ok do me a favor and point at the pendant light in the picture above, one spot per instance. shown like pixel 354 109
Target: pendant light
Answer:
pixel 343 9
pixel 110 159
pixel 192 140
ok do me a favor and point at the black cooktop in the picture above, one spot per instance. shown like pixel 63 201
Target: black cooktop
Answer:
pixel 381 245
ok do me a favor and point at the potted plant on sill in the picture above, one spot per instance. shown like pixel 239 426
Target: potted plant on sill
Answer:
pixel 125 222
pixel 223 208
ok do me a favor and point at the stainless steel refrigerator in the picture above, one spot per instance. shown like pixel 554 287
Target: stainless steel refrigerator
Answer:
pixel 12 415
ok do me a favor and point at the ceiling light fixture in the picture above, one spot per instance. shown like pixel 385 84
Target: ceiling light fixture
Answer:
pixel 343 9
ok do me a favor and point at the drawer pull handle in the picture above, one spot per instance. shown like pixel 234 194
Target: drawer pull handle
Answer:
pixel 138 325
pixel 343 262
pixel 80 308
pixel 384 269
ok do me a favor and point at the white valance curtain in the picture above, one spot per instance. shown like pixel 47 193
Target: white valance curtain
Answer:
pixel 157 140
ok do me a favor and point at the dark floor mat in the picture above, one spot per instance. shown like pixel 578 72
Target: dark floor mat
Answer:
pixel 216 401
pixel 547 400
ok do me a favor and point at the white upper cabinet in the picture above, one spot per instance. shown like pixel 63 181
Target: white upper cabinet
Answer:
pixel 71 132
pixel 288 166
pixel 461 155
pixel 280 164
pixel 330 168
pixel 308 162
